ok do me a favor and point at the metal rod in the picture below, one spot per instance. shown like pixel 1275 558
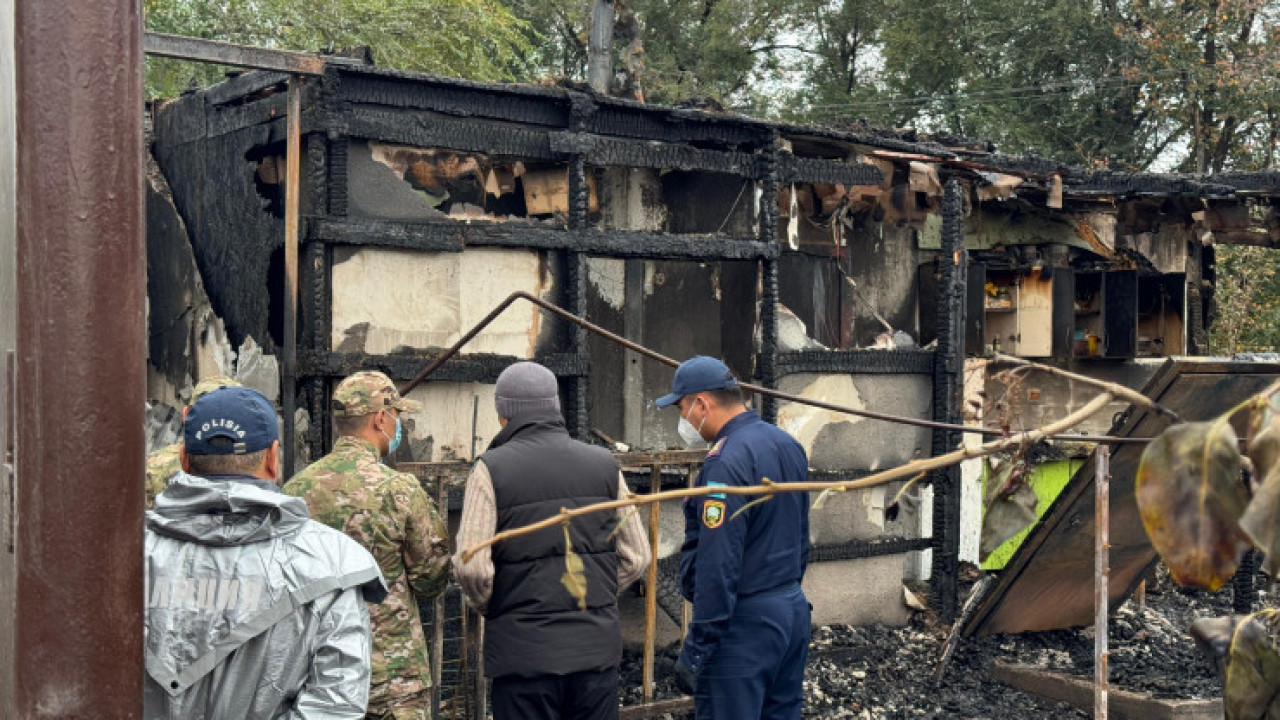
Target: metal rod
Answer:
pixel 180 47
pixel 1102 570
pixel 292 210
pixel 482 698
pixel 652 355
pixel 651 589
pixel 437 626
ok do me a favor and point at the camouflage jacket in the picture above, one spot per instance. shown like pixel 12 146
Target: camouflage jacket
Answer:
pixel 392 516
pixel 162 465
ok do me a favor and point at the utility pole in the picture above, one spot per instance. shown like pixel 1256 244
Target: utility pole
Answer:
pixel 600 46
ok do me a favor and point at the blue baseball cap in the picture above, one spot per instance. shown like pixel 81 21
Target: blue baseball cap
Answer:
pixel 230 421
pixel 698 374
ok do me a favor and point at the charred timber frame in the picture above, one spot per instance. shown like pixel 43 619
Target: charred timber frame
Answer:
pixel 948 398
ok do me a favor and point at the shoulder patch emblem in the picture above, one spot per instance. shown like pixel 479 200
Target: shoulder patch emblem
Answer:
pixel 715 449
pixel 713 514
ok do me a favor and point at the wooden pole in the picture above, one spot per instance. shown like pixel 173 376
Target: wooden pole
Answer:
pixel 651 589
pixel 292 210
pixel 1102 546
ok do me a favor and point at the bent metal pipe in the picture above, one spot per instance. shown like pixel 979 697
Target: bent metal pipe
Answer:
pixel 656 356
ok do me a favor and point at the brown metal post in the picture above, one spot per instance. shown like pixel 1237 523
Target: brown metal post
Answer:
pixel 437 621
pixel 1102 567
pixel 651 589
pixel 73 593
pixel 292 208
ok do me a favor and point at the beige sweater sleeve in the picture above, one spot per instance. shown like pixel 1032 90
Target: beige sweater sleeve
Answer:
pixel 479 523
pixel 633 542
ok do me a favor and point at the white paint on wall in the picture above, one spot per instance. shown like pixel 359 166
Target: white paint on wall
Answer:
pixel 386 299
pixel 608 277
pixel 804 422
pixel 446 417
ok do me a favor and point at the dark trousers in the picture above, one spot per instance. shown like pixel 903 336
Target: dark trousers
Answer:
pixel 757 672
pixel 591 695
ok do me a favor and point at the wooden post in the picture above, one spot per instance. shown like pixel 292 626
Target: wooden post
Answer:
pixel 1102 545
pixel 292 209
pixel 651 589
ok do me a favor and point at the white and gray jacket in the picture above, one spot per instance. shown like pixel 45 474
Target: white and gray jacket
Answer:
pixel 253 610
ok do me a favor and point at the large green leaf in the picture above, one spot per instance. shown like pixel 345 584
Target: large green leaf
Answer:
pixel 1252 687
pixel 1010 504
pixel 574 578
pixel 1191 497
pixel 1248 656
pixel 1261 519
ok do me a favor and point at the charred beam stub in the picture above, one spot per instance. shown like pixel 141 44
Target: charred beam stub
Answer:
pixel 453 236
pixel 864 362
pixel 817 170
pixel 879 547
pixel 948 387
pixel 474 368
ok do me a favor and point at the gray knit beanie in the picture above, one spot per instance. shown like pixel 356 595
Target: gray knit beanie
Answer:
pixel 526 386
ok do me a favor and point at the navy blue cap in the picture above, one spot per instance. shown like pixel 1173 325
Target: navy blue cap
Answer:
pixel 230 421
pixel 698 374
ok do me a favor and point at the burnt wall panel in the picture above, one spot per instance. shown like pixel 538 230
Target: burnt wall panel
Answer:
pixel 882 260
pixel 235 231
pixel 708 203
pixel 810 286
pixel 606 292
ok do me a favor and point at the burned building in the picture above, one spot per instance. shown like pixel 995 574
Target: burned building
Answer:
pixel 829 263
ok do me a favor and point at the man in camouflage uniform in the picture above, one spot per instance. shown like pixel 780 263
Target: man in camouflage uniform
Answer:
pixel 163 463
pixel 389 513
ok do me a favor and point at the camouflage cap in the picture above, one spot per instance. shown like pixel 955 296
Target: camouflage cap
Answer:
pixel 209 384
pixel 368 392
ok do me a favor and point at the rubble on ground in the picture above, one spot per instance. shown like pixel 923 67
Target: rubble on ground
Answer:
pixel 878 672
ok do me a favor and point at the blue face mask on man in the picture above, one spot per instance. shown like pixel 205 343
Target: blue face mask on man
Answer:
pixel 393 442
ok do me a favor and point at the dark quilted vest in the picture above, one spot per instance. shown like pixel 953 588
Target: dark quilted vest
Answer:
pixel 535 626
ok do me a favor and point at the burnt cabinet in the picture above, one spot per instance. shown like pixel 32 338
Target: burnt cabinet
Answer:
pixel 1105 314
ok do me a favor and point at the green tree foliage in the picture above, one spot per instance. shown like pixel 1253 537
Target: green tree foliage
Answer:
pixel 480 39
pixel 1247 289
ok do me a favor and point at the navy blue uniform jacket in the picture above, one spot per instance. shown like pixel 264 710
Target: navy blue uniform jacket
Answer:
pixel 764 548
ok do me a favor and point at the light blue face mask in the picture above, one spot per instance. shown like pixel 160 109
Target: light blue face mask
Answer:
pixel 394 441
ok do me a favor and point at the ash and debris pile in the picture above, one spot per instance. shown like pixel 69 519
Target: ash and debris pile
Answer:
pixel 877 672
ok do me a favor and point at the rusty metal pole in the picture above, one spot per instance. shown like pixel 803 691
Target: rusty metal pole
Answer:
pixel 71 585
pixel 651 589
pixel 1102 570
pixel 437 619
pixel 292 208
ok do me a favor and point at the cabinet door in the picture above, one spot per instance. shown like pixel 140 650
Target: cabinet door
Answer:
pixel 1120 313
pixel 1035 315
pixel 1064 312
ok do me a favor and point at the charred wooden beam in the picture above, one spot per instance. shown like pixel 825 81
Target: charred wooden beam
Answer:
pixel 457 99
pixel 478 367
pixel 865 362
pixel 224 53
pixel 817 170
pixel 450 236
pixel 430 130
pixel 603 151
pixel 948 391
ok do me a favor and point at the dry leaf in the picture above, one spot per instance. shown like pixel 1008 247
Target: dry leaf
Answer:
pixel 1261 519
pixel 1191 498
pixel 574 578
